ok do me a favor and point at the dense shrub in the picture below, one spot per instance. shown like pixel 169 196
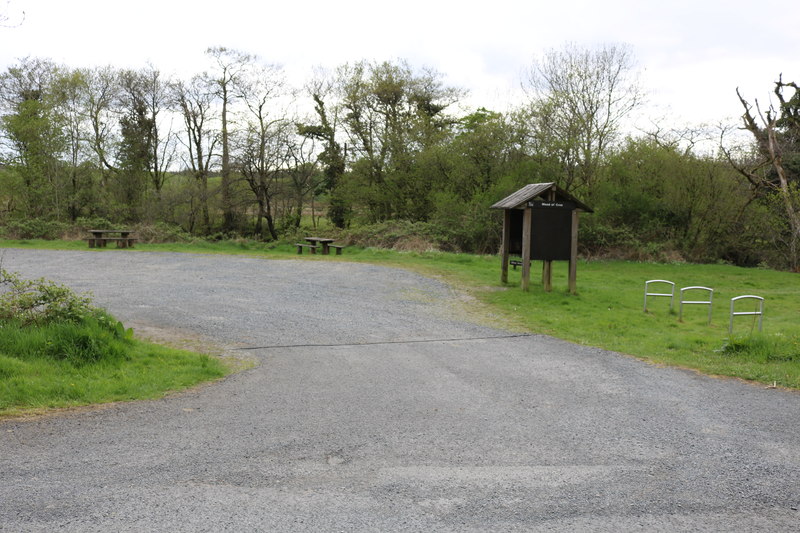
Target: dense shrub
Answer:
pixel 40 301
pixel 468 226
pixel 161 232
pixel 87 223
pixel 395 234
pixel 34 228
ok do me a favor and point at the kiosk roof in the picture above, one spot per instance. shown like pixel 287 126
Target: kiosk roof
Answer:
pixel 519 199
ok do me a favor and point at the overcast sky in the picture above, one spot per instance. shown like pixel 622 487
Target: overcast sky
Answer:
pixel 692 54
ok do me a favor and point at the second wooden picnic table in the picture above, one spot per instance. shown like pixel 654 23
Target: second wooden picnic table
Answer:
pixel 323 241
pixel 101 237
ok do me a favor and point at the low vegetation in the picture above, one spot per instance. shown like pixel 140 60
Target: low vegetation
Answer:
pixel 58 350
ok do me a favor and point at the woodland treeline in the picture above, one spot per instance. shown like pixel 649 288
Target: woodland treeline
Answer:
pixel 373 148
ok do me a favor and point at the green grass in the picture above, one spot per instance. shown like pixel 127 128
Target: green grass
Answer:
pixel 64 364
pixel 607 311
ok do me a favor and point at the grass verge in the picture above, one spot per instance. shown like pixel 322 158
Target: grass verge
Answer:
pixel 58 350
pixel 607 311
pixel 64 364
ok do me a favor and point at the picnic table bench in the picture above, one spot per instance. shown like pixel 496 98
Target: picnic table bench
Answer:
pixel 311 248
pixel 316 242
pixel 101 237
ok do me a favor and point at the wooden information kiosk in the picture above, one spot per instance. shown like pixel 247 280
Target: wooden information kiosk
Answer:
pixel 541 223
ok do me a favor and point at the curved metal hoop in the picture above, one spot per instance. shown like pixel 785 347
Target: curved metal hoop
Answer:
pixel 760 311
pixel 698 302
pixel 670 294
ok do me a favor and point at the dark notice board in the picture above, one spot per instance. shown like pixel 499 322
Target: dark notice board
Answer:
pixel 551 231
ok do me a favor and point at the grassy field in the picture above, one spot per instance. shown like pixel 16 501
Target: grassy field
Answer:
pixel 606 312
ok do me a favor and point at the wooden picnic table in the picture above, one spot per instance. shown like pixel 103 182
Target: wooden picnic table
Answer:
pixel 316 242
pixel 323 241
pixel 101 237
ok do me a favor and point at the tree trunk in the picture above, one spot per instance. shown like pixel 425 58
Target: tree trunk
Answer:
pixel 271 226
pixel 203 183
pixel 227 209
pixel 259 229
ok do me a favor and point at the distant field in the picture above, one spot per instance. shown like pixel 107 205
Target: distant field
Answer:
pixel 606 312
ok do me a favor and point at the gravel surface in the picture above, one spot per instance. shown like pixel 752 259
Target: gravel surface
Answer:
pixel 376 407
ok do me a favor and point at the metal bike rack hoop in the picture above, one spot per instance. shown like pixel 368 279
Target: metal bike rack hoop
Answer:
pixel 697 302
pixel 760 311
pixel 670 294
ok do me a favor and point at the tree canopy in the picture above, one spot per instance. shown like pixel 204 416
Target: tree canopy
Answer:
pixel 234 150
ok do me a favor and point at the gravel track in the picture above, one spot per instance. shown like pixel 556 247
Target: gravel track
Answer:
pixel 343 426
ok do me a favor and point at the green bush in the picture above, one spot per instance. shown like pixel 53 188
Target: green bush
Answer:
pixel 34 228
pixel 41 301
pixel 87 223
pixel 161 232
pixel 57 350
pixel 467 226
pixel 597 236
pixel 394 234
pixel 40 318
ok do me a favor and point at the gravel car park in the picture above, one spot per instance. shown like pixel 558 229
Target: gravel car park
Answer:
pixel 376 406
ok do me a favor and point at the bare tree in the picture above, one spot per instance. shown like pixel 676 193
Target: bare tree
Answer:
pixel 262 160
pixel 262 151
pixel 195 104
pixel 304 175
pixel 333 155
pixel 102 91
pixel 230 66
pixel 156 98
pixel 72 88
pixel 579 98
pixel 776 132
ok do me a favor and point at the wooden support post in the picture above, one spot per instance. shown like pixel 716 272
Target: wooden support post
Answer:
pixel 547 275
pixel 504 250
pixel 547 266
pixel 526 248
pixel 573 255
